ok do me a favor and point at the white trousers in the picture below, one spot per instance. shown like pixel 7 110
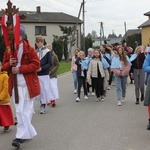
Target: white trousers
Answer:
pixel 24 112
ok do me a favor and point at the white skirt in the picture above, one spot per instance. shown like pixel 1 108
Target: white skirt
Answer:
pixel 54 89
pixel 45 94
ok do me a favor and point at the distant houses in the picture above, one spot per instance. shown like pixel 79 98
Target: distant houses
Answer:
pixel 47 25
pixel 145 27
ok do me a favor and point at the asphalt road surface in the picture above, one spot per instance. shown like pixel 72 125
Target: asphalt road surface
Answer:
pixel 87 125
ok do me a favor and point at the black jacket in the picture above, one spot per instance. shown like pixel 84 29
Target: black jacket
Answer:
pixel 79 71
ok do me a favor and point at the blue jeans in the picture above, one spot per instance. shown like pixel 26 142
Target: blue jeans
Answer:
pixel 120 87
pixel 75 79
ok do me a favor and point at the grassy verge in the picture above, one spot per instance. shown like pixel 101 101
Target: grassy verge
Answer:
pixel 64 67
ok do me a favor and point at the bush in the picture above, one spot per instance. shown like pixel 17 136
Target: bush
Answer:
pixel 58 47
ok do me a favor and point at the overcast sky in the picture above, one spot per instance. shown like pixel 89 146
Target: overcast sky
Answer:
pixel 113 13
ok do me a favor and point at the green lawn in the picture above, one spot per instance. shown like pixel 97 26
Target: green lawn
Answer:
pixel 64 67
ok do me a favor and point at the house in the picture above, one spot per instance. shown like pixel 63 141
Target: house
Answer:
pixel 113 40
pixel 47 25
pixel 131 32
pixel 146 30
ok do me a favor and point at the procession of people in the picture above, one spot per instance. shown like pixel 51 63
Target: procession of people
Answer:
pixel 35 71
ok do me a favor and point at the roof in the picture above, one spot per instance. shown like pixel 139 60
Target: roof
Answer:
pixel 113 40
pixel 48 17
pixel 145 24
pixel 132 32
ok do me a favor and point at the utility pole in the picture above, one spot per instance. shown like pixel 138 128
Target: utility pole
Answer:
pixel 83 25
pixel 125 27
pixel 101 33
pixel 73 35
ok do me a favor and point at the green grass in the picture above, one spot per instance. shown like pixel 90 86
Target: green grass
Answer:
pixel 64 67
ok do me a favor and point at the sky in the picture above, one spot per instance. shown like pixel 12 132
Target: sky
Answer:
pixel 113 13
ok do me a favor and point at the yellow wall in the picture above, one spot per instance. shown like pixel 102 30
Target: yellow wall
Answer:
pixel 145 35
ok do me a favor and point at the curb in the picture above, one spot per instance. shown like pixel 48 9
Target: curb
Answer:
pixel 63 74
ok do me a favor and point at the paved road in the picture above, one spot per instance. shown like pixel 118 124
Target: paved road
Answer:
pixel 88 125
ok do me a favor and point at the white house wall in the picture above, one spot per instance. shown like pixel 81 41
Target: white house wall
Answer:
pixel 51 29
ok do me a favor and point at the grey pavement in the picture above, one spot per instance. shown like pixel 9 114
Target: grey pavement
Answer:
pixel 87 125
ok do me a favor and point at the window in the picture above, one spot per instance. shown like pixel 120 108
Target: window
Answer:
pixel 40 30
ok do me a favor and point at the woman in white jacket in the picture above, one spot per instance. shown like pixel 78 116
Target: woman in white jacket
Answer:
pixel 96 75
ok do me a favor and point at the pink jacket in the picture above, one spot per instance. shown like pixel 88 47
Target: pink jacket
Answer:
pixel 73 65
pixel 125 70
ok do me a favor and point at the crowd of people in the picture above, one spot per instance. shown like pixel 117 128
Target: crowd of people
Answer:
pixel 112 63
pixel 36 75
pixel 35 71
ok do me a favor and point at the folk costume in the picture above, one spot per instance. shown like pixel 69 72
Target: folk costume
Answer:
pixel 45 57
pixel 6 116
pixel 53 79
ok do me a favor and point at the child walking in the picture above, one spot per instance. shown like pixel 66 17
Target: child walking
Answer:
pixel 6 117
pixel 81 74
pixel 96 75
pixel 121 67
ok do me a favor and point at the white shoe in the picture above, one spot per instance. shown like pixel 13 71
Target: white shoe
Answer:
pixel 85 97
pixel 93 94
pixel 98 99
pixel 119 103
pixel 102 98
pixel 123 100
pixel 108 88
pixel 88 94
pixel 75 91
pixel 77 99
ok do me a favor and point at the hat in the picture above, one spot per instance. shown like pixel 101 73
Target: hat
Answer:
pixel 90 50
pixel 23 32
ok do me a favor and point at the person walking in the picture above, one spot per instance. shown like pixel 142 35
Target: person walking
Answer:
pixel 53 77
pixel 27 64
pixel 45 56
pixel 96 75
pixel 74 69
pixel 146 68
pixel 121 67
pixel 81 74
pixel 138 73
pixel 6 116
pixel 88 59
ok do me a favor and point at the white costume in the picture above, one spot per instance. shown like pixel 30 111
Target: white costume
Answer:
pixel 24 109
pixel 54 89
pixel 45 94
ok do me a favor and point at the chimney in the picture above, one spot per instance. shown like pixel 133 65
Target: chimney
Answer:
pixel 38 9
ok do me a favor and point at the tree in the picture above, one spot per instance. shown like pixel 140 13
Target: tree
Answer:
pixel 58 46
pixel 68 39
pixel 134 40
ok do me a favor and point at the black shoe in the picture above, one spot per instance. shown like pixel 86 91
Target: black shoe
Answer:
pixel 53 105
pixel 22 140
pixel 142 97
pixel 16 143
pixel 137 101
pixel 148 126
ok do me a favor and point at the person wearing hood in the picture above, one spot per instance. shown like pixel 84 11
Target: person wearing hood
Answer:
pixel 27 64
